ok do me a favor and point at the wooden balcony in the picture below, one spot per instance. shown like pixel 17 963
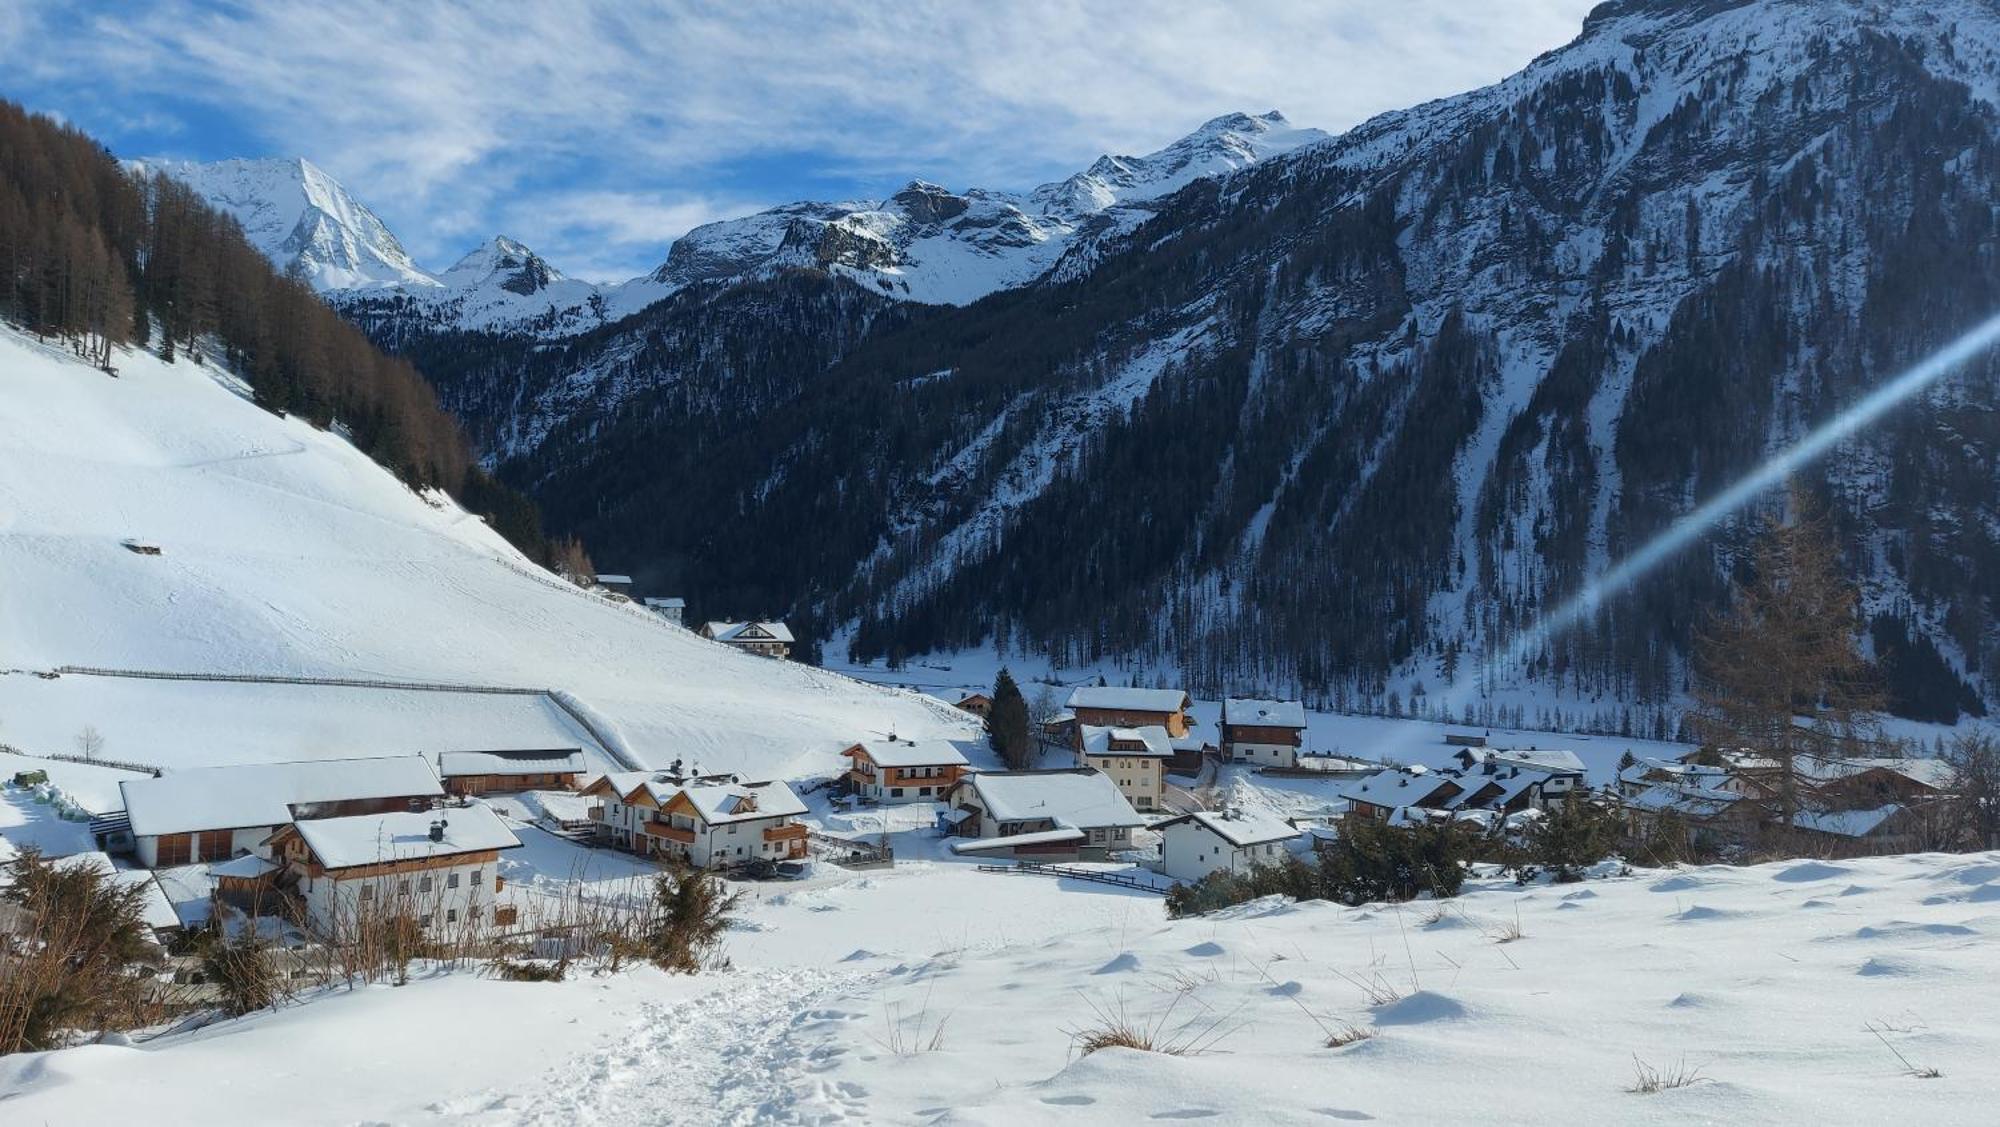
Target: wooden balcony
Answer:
pixel 671 833
pixel 792 831
pixel 595 813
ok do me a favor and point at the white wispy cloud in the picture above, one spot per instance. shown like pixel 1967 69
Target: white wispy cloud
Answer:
pixel 454 118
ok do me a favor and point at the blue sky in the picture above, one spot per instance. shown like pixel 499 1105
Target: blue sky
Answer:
pixel 597 132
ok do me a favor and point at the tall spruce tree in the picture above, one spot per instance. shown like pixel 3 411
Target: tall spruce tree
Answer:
pixel 1007 724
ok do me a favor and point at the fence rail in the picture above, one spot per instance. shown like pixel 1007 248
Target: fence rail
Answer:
pixel 1120 880
pixel 848 853
pixel 612 748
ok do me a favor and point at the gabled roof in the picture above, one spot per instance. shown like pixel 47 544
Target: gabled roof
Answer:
pixel 1264 713
pixel 749 632
pixel 1130 700
pixel 551 761
pixel 1645 765
pixel 1394 787
pixel 1552 760
pixel 1846 823
pixel 1079 798
pixel 1494 790
pixel 1929 772
pixel 911 753
pixel 721 803
pixel 1037 837
pixel 369 839
pixel 262 794
pixel 1152 738
pixel 1237 827
pixel 1700 802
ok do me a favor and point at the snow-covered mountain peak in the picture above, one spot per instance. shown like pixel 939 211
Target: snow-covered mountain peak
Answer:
pixel 503 262
pixel 1222 145
pixel 301 217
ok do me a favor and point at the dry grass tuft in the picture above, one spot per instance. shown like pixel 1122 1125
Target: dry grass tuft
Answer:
pixel 1116 1029
pixel 1347 1035
pixel 1650 1080
pixel 1881 1031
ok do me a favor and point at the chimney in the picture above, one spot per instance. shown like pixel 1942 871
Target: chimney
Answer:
pixel 437 830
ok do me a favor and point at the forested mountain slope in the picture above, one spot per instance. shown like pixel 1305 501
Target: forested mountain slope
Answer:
pixel 1352 414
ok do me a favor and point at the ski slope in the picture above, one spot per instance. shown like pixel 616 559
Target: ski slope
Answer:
pixel 285 551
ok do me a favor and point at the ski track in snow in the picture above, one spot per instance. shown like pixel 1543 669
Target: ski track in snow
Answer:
pixel 734 1055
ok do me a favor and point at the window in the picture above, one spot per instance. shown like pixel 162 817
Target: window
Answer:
pixel 424 885
pixel 451 880
pixel 732 829
pixel 895 792
pixel 367 893
pixel 403 887
pixel 451 915
pixel 475 877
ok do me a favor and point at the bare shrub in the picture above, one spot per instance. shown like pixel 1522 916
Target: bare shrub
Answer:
pixel 242 971
pixel 73 955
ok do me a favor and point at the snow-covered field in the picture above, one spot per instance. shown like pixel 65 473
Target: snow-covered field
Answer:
pixel 935 993
pixel 284 551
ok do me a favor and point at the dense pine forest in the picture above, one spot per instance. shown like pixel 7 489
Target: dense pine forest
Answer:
pixel 99 259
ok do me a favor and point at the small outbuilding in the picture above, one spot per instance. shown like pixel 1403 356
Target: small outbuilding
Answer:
pixel 1212 841
pixel 486 772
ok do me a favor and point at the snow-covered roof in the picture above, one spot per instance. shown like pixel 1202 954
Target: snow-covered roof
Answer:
pixel 1238 827
pixel 911 753
pixel 669 603
pixel 1645 765
pixel 262 794
pixel 548 761
pixel 735 631
pixel 248 867
pixel 1699 801
pixel 1554 760
pixel 1264 713
pixel 1929 772
pixel 1152 738
pixel 1494 790
pixel 403 835
pixel 1846 823
pixel 1038 837
pixel 1128 699
pixel 739 802
pixel 1394 787
pixel 614 580
pixel 1075 798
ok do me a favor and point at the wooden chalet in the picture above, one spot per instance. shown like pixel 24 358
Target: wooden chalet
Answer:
pixel 1112 706
pixel 765 639
pixel 903 770
pixel 979 704
pixel 1265 732
pixel 438 867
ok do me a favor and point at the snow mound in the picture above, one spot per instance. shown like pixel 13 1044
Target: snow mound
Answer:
pixel 1421 1007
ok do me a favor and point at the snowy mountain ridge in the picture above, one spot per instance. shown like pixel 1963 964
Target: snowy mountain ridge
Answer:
pixel 924 243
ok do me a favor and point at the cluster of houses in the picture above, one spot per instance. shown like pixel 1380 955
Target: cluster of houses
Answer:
pixel 338 842
pixel 1727 798
pixel 1478 785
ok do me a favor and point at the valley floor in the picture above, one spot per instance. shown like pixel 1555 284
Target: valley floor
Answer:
pixel 936 993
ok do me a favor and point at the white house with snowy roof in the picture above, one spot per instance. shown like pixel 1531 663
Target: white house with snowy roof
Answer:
pixel 709 821
pixel 765 639
pixel 1135 759
pixel 1040 815
pixel 1212 841
pixel 1268 733
pixel 215 813
pixel 438 867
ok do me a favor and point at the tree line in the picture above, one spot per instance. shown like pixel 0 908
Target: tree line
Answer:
pixel 100 259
